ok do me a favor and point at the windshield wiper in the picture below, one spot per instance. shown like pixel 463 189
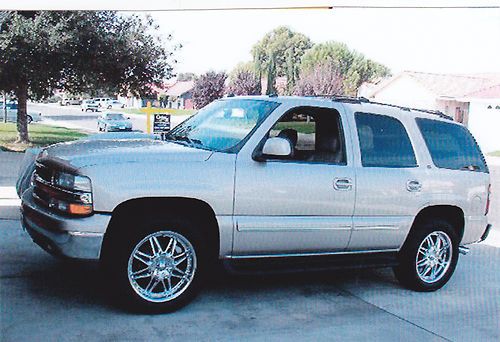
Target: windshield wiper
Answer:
pixel 190 141
pixel 470 167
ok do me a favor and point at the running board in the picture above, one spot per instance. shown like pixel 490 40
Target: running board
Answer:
pixel 310 263
pixel 463 250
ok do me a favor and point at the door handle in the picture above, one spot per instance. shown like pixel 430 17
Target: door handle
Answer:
pixel 413 186
pixel 342 184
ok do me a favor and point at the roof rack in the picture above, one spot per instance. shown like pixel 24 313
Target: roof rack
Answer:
pixel 341 98
pixel 429 111
pixel 352 99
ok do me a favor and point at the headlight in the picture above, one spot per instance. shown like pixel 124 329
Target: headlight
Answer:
pixel 77 199
pixel 72 182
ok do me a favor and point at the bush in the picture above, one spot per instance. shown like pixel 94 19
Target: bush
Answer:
pixel 208 88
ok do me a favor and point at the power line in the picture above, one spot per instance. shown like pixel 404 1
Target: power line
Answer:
pixel 332 7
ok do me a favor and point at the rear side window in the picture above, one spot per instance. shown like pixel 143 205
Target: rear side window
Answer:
pixel 451 146
pixel 383 142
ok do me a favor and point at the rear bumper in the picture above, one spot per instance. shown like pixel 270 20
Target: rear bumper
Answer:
pixel 78 238
pixel 486 233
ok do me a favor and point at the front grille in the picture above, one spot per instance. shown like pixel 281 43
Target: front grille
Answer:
pixel 43 176
pixel 44 172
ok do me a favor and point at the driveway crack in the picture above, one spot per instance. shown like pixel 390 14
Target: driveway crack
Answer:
pixel 394 315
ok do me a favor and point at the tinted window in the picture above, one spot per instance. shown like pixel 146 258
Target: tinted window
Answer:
pixel 383 142
pixel 314 133
pixel 451 146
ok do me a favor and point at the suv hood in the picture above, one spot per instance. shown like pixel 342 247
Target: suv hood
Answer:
pixel 82 153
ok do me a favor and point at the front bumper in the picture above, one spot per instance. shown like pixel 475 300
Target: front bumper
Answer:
pixel 72 237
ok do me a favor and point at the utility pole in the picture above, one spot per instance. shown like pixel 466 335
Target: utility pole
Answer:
pixel 4 106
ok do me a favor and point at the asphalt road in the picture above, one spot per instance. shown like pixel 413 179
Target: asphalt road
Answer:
pixel 73 117
pixel 45 299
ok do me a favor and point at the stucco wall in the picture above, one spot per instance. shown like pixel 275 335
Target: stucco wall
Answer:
pixel 484 124
pixel 405 91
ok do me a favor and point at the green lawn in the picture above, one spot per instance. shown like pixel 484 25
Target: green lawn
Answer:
pixel 494 154
pixel 159 110
pixel 300 127
pixel 40 135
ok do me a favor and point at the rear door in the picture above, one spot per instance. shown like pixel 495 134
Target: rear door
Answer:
pixel 389 183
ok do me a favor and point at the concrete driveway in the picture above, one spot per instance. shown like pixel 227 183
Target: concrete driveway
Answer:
pixel 42 298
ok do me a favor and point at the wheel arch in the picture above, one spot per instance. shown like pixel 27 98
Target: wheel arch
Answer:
pixel 451 213
pixel 182 207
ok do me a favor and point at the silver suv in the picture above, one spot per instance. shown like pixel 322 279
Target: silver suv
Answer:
pixel 265 182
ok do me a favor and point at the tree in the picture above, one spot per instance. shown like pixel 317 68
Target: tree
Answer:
pixel 79 52
pixel 244 82
pixel 353 66
pixel 186 76
pixel 323 79
pixel 208 87
pixel 279 54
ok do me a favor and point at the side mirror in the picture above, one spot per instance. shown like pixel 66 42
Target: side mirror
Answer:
pixel 275 147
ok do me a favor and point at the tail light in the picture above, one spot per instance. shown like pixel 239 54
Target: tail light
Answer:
pixel 488 200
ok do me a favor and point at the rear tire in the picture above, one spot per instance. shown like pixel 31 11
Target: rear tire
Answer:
pixel 29 119
pixel 428 257
pixel 155 266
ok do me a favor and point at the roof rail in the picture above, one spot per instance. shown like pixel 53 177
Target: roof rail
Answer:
pixel 429 111
pixel 350 99
pixel 355 99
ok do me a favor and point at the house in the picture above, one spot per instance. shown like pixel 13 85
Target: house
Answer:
pixel 180 95
pixel 473 100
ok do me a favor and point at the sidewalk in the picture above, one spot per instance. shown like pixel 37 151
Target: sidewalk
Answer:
pixel 9 168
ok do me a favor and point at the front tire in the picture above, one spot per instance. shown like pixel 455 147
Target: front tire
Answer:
pixel 428 257
pixel 157 268
pixel 29 119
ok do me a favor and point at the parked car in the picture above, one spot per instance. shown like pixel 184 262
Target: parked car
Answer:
pixel 12 113
pixel 109 122
pixel 89 105
pixel 102 101
pixel 269 182
pixel 70 101
pixel 113 104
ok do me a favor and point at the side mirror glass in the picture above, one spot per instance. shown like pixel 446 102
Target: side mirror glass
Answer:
pixel 277 148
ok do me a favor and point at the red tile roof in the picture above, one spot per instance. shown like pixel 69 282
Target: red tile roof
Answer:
pixel 485 85
pixel 180 88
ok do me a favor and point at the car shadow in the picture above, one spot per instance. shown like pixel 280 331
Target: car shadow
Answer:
pixel 83 284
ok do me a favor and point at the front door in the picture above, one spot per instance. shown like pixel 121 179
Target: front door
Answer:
pixel 301 204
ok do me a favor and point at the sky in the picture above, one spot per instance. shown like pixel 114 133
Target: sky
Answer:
pixel 429 40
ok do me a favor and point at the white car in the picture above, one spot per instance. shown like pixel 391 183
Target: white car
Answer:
pixel 89 105
pixel 101 101
pixel 113 104
pixel 266 181
pixel 12 113
pixel 68 101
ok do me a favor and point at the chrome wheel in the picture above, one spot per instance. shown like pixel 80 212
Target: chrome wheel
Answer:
pixel 162 266
pixel 434 257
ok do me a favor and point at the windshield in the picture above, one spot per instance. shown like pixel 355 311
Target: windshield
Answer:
pixel 222 124
pixel 115 117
